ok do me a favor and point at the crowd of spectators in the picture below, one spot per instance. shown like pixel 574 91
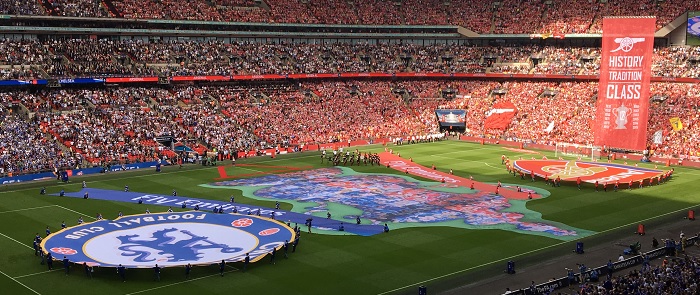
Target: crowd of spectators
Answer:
pixel 26 149
pixel 508 17
pixel 21 7
pixel 27 59
pixel 76 8
pixel 117 124
pixel 674 275
pixel 30 100
pixel 562 61
pixel 85 57
pixel 670 100
pixel 674 62
pixel 570 16
pixel 92 57
pixel 22 52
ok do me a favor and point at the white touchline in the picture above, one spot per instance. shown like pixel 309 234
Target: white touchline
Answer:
pixel 17 210
pixel 37 273
pixel 18 282
pixel 16 241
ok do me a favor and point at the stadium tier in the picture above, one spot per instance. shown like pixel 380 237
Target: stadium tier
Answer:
pixel 32 59
pixel 88 126
pixel 509 17
pixel 96 86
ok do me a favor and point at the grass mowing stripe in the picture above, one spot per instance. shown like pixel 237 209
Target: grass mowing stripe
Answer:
pixel 178 283
pixel 529 252
pixel 18 242
pixel 10 211
pixel 18 282
pixel 472 268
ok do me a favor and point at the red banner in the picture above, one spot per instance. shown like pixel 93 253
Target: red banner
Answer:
pixel 361 75
pixel 258 77
pixel 201 78
pixel 310 76
pixel 431 75
pixel 623 90
pixel 131 80
pixel 500 115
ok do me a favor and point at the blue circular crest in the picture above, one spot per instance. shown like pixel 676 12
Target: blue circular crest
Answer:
pixel 169 239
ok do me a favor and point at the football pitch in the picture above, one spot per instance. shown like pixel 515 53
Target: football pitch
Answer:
pixel 396 262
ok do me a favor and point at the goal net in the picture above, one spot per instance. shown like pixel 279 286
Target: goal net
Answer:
pixel 585 152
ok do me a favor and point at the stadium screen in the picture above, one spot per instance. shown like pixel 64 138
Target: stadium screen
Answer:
pixel 453 118
pixel 693 32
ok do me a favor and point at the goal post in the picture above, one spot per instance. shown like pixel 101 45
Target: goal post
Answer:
pixel 586 152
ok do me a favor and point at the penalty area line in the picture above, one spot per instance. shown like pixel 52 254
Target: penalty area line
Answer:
pixel 178 283
pixel 494 167
pixel 71 210
pixel 18 282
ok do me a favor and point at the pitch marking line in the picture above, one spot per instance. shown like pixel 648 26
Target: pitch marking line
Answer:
pixel 487 164
pixel 71 210
pixel 244 168
pixel 17 210
pixel 37 273
pixel 18 282
pixel 471 161
pixel 530 252
pixel 16 241
pixel 178 283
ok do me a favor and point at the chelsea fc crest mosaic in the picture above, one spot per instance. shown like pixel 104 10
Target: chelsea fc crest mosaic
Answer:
pixel 169 239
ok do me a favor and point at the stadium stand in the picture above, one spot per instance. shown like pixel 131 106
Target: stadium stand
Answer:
pixel 509 17
pixel 55 128
pixel 108 125
pixel 69 58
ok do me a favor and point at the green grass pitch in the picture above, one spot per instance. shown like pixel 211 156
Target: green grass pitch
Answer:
pixel 393 263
